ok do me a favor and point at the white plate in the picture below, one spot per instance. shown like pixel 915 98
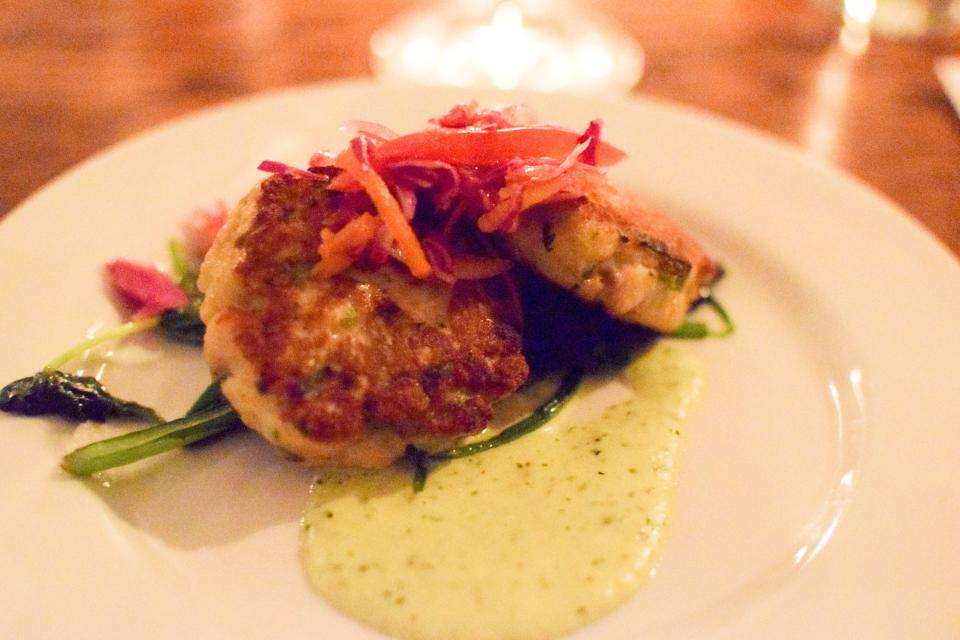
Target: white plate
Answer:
pixel 818 495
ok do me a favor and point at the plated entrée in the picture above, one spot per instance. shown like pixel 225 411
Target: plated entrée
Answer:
pixel 815 483
pixel 402 305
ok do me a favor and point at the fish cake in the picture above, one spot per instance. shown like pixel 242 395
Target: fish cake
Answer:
pixel 348 369
pixel 608 249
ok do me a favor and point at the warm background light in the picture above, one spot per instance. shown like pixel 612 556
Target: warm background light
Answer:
pixel 545 46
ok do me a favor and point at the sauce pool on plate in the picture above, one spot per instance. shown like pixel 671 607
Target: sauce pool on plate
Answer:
pixel 530 540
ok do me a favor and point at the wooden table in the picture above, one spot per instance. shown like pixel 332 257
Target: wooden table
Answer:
pixel 78 76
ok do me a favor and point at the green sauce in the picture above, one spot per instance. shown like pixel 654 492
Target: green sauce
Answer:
pixel 530 540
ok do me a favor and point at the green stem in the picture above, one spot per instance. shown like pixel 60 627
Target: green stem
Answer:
pixel 126 329
pixel 534 421
pixel 186 278
pixel 178 259
pixel 131 447
pixel 421 460
pixel 697 330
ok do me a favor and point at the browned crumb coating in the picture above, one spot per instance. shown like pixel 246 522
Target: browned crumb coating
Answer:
pixel 357 359
pixel 344 356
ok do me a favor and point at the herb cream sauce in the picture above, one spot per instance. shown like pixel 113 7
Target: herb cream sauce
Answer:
pixel 530 540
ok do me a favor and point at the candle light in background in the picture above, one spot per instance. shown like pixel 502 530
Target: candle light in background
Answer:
pixel 899 17
pixel 855 35
pixel 534 44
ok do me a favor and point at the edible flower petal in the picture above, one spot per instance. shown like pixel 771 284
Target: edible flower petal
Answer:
pixel 201 227
pixel 147 290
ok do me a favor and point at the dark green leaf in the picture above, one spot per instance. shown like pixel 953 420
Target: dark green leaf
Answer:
pixel 183 325
pixel 419 462
pixel 70 396
pixel 564 332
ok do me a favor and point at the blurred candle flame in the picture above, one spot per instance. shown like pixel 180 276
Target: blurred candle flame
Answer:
pixel 512 46
pixel 855 34
pixel 896 18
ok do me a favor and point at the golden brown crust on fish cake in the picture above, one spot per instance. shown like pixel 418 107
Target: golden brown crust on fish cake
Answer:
pixel 344 360
pixel 344 356
pixel 634 261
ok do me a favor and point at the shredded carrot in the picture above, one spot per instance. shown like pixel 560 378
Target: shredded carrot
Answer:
pixel 466 267
pixel 495 217
pixel 389 211
pixel 533 193
pixel 339 250
pixel 344 182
